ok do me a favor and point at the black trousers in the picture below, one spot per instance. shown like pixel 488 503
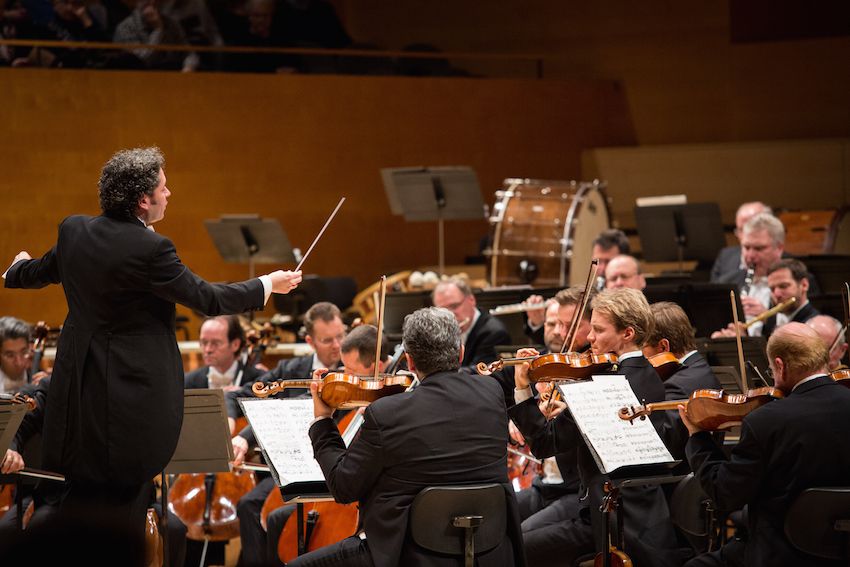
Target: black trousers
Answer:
pixel 350 552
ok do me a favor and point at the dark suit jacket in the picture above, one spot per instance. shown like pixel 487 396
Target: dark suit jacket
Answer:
pixel 727 267
pixel 198 378
pixel 482 340
pixel 452 429
pixel 116 398
pixel 650 539
pixel 786 446
pixel 807 312
pixel 695 374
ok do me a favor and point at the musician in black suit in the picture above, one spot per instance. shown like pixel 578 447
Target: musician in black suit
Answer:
pixel 324 331
pixel 786 279
pixel 674 333
pixel 15 354
pixel 786 446
pixel 730 265
pixel 222 341
pixel 116 401
pixel 480 332
pixel 452 429
pixel 551 503
pixel 619 324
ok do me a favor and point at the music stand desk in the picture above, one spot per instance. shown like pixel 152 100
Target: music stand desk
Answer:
pixel 248 239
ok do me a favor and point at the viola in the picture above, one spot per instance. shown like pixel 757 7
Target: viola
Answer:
pixel 618 559
pixel 556 366
pixel 665 363
pixel 710 410
pixel 340 390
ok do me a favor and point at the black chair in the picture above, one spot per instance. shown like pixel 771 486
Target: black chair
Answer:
pixel 459 520
pixel 818 522
pixel 693 513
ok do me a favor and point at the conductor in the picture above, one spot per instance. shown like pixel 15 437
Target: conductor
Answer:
pixel 116 401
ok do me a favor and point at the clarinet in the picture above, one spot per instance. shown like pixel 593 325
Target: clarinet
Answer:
pixel 748 281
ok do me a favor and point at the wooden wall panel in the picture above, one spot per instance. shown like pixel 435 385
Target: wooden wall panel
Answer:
pixel 797 174
pixel 286 147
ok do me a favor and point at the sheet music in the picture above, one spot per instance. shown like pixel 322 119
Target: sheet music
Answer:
pixel 281 426
pixel 614 442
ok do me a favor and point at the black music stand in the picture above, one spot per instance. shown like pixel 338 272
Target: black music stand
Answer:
pixel 706 304
pixel 242 239
pixel 434 194
pixel 724 352
pixel 203 447
pixel 675 233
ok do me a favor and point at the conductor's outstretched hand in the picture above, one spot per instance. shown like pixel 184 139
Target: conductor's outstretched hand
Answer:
pixel 284 282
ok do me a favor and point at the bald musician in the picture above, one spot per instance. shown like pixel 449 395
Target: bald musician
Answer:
pixel 620 323
pixel 832 333
pixel 452 429
pixel 624 271
pixel 786 446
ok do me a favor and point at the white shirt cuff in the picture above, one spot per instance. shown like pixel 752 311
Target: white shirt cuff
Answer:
pixel 318 419
pixel 523 394
pixel 267 287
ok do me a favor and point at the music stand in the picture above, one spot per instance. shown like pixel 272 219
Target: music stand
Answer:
pixel 434 194
pixel 675 233
pixel 724 352
pixel 249 239
pixel 203 447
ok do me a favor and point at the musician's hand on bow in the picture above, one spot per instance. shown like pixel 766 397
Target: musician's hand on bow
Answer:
pixel 240 449
pixel 284 282
pixel 688 423
pixel 535 316
pixel 552 408
pixel 12 462
pixel 320 408
pixel 752 306
pixel 521 381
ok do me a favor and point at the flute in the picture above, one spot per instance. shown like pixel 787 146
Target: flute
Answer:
pixel 770 312
pixel 517 308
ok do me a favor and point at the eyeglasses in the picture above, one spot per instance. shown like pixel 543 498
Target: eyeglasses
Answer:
pixel 12 355
pixel 328 341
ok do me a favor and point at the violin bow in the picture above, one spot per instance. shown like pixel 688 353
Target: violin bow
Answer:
pixel 570 338
pixel 380 324
pixel 738 341
pixel 318 236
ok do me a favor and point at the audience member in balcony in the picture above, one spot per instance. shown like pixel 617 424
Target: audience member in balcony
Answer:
pixel 147 24
pixel 73 21
pixel 262 29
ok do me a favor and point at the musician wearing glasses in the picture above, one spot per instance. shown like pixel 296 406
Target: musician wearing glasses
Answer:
pixel 480 332
pixel 15 354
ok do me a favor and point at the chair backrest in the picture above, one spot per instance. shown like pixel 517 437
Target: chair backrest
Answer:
pixel 811 524
pixel 688 507
pixel 434 508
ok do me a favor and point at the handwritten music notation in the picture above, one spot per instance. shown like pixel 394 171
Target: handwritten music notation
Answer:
pixel 614 442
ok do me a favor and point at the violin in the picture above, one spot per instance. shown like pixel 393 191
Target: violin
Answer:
pixel 522 468
pixel 555 365
pixel 665 363
pixel 259 341
pixel 618 558
pixel 340 390
pixel 710 410
pixel 842 376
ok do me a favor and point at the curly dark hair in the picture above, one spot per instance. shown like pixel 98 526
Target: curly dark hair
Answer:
pixel 127 176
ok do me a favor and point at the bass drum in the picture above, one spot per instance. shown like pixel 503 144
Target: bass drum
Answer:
pixel 816 232
pixel 540 229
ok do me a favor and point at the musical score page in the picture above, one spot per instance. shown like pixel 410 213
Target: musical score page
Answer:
pixel 614 442
pixel 281 426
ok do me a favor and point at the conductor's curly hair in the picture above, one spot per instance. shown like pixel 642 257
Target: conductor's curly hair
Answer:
pixel 126 177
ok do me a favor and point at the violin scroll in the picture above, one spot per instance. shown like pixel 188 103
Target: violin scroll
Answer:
pixel 487 369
